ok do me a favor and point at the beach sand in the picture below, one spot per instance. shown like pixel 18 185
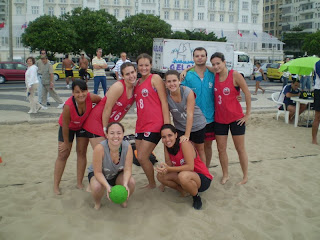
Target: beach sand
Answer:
pixel 280 201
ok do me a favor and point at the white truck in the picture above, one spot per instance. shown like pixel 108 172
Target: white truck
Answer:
pixel 177 54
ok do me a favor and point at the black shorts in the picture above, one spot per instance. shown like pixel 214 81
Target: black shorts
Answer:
pixel 316 105
pixel 82 72
pixel 69 73
pixel 196 137
pixel 290 104
pixel 210 132
pixel 91 135
pixel 112 181
pixel 153 137
pixel 235 129
pixel 79 133
pixel 205 182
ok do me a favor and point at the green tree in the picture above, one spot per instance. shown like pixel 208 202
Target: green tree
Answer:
pixel 293 42
pixel 196 35
pixel 179 35
pixel 94 29
pixel 138 31
pixel 312 44
pixel 50 33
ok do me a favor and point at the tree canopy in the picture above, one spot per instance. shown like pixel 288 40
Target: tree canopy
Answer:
pixel 312 44
pixel 196 35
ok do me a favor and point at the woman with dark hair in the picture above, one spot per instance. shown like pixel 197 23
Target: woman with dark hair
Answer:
pixel 152 113
pixel 31 80
pixel 75 111
pixel 183 169
pixel 258 77
pixel 229 114
pixel 112 165
pixel 113 106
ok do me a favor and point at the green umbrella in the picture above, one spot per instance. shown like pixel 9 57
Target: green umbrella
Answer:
pixel 300 66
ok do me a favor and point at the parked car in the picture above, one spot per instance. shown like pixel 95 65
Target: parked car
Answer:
pixel 12 71
pixel 57 71
pixel 273 72
pixel 264 67
pixel 110 70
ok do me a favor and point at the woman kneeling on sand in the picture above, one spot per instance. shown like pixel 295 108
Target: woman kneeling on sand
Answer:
pixel 183 169
pixel 111 164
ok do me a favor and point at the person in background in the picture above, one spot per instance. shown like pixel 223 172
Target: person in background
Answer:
pixel 121 61
pixel 258 77
pixel 99 73
pixel 83 67
pixel 316 106
pixel 67 65
pixel 39 64
pixel 285 75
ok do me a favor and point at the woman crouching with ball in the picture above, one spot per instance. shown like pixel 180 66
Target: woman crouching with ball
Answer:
pixel 183 169
pixel 111 165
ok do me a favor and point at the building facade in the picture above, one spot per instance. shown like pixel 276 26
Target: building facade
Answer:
pixel 272 17
pixel 239 20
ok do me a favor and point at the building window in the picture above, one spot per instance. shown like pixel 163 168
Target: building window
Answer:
pixel 212 4
pixel 166 15
pixel 200 16
pixel 127 2
pixel 4 41
pixel 245 5
pixel 231 6
pixel 254 19
pixel 63 10
pixel 116 12
pixel 255 7
pixel 221 5
pixel 62 1
pixel 221 18
pixel 75 1
pixel 186 3
pixel 186 16
pixel 244 18
pixel 18 10
pixel 51 1
pixel 176 15
pixel 148 11
pixel 127 13
pixel 230 18
pixel 35 9
pixel 51 11
pixel 18 42
pixel 176 3
pixel 200 3
pixel 166 3
pixel 116 2
pixel 266 25
pixel 211 17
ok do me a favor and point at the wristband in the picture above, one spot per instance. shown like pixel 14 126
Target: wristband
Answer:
pixel 104 129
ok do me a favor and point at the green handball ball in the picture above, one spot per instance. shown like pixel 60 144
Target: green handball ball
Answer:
pixel 118 194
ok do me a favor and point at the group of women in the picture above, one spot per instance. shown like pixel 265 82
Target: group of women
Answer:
pixel 184 168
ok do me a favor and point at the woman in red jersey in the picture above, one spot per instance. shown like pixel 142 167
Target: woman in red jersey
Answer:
pixel 75 111
pixel 152 112
pixel 229 115
pixel 113 107
pixel 183 169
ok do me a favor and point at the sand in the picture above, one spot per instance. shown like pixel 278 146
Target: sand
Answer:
pixel 280 201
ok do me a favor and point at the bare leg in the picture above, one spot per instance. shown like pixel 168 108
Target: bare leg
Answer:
pixel 315 127
pixel 82 145
pixel 292 111
pixel 67 80
pixel 243 157
pixel 131 186
pixel 200 149
pixel 223 156
pixel 208 151
pixel 189 181
pixel 144 149
pixel 171 180
pixel 257 86
pixel 59 168
pixel 95 141
pixel 97 191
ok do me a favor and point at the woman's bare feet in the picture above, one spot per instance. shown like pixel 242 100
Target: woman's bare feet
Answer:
pixel 80 186
pixel 162 187
pixel 88 188
pixel 224 180
pixel 124 205
pixel 149 186
pixel 57 190
pixel 244 181
pixel 97 206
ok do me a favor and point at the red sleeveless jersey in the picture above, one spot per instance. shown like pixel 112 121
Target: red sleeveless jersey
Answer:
pixel 93 123
pixel 77 121
pixel 149 111
pixel 199 167
pixel 226 105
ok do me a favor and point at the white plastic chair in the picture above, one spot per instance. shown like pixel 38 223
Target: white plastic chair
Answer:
pixel 275 97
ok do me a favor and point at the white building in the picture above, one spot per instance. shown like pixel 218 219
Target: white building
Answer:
pixel 229 18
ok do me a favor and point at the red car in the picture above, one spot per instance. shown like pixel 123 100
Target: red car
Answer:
pixel 12 71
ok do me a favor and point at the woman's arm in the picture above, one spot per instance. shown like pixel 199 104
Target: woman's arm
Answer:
pixel 262 73
pixel 161 90
pixel 65 128
pixel 190 110
pixel 127 172
pixel 239 81
pixel 98 155
pixel 95 98
pixel 112 95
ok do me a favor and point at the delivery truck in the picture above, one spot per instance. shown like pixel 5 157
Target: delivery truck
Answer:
pixel 177 54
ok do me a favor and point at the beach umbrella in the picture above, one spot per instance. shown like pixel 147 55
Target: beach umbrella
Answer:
pixel 300 66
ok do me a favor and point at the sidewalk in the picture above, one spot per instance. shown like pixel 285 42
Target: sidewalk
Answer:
pixel 14 105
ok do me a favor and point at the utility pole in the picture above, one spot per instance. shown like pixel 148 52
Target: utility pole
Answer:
pixel 10 32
